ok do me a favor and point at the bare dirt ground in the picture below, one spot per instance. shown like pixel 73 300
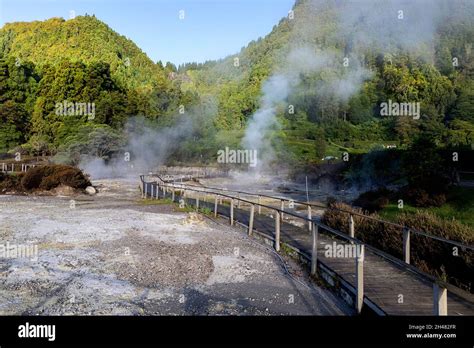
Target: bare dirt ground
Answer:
pixel 109 254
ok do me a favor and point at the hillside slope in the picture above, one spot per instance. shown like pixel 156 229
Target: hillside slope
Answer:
pixel 85 39
pixel 408 59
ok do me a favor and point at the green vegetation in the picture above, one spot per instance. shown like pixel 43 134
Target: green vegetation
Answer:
pixel 459 207
pixel 82 60
pixel 205 210
pixel 323 125
pixel 429 255
pixel 44 64
pixel 161 201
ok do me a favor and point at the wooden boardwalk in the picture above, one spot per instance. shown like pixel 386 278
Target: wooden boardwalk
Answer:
pixel 384 281
pixel 395 289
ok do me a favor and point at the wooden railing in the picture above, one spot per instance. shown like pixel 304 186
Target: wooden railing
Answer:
pixel 15 167
pixel 182 193
pixel 407 232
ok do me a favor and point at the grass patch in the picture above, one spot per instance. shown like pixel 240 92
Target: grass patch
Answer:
pixel 459 207
pixel 167 201
pixel 429 255
pixel 149 201
pixel 205 211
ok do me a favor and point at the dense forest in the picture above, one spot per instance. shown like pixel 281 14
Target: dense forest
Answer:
pixel 78 60
pixel 332 107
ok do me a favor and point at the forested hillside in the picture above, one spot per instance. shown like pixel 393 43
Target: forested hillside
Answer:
pixel 80 60
pixel 331 106
pixel 81 39
pixel 434 68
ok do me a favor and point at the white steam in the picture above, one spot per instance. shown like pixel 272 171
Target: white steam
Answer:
pixel 147 148
pixel 326 33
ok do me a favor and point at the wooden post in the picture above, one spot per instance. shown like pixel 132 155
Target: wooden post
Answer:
pixel 440 300
pixel 310 223
pixel 351 226
pixel 259 206
pixel 282 208
pixel 277 231
pixel 314 251
pixel 145 190
pixel 406 245
pixel 231 212
pixel 216 198
pixel 172 195
pixel 197 202
pixel 252 212
pixel 359 278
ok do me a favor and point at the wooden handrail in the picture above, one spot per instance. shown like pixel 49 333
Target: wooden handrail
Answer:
pixel 401 227
pixel 426 277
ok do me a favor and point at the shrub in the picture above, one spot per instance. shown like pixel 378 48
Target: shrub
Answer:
pixel 373 201
pixel 10 182
pixel 74 178
pixel 419 197
pixel 431 256
pixel 379 235
pixel 32 179
pixel 50 176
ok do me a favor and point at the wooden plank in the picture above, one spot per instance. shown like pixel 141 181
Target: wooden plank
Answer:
pixel 393 288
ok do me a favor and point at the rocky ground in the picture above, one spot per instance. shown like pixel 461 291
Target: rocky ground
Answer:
pixel 110 254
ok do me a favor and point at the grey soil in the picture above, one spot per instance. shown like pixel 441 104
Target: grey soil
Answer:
pixel 110 254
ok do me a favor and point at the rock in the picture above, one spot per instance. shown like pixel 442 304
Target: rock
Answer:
pixel 62 190
pixel 90 190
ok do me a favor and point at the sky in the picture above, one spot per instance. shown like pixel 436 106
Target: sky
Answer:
pixel 211 29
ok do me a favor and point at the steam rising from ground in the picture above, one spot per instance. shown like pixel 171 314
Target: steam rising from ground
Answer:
pixel 300 62
pixel 324 35
pixel 386 26
pixel 148 147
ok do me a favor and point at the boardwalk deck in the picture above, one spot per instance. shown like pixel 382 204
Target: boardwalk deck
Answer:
pixel 384 281
pixel 393 288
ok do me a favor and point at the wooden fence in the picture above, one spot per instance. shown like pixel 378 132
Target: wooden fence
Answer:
pixel 15 167
pixel 217 199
